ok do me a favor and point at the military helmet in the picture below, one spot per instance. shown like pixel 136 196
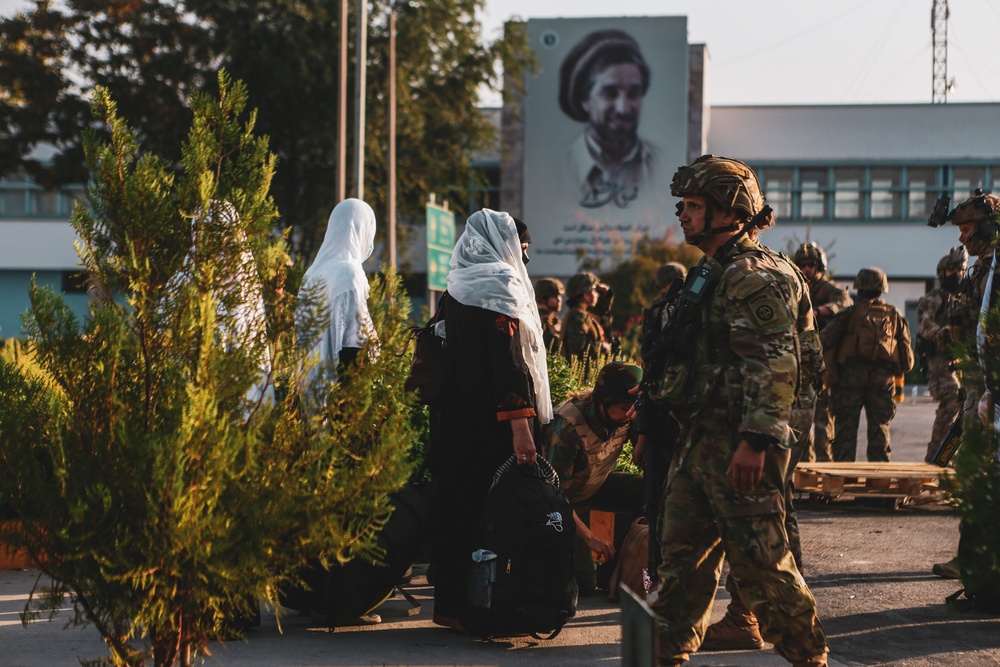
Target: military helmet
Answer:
pixel 669 271
pixel 957 259
pixel 580 284
pixel 811 251
pixel 546 288
pixel 982 209
pixel 729 183
pixel 871 280
pixel 615 381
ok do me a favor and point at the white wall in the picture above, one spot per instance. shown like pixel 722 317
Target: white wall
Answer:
pixel 37 246
pixel 866 133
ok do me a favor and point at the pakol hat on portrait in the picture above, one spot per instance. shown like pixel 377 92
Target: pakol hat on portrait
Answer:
pixel 604 47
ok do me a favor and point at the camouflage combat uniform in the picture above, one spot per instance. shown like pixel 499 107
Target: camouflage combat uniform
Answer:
pixel 583 451
pixel 582 334
pixel 740 376
pixel 933 311
pixel 863 383
pixel 551 329
pixel 824 292
pixel 965 318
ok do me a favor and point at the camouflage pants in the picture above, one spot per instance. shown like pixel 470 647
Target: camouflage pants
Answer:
pixel 943 385
pixel 801 423
pixel 869 386
pixel 703 521
pixel 824 429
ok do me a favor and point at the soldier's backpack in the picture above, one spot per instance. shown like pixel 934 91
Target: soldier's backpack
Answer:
pixel 521 580
pixel 874 332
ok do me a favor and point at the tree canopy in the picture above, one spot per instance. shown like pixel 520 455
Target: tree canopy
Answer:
pixel 152 55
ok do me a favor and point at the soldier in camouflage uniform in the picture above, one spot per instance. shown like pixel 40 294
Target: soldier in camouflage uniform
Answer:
pixel 548 297
pixel 728 368
pixel 583 442
pixel 935 342
pixel 667 274
pixel 828 299
pixel 866 346
pixel 739 629
pixel 583 328
pixel 978 221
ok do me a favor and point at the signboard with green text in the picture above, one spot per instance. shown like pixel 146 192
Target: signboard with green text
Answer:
pixel 440 241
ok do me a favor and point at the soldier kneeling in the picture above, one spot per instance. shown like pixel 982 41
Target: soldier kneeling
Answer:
pixel 583 442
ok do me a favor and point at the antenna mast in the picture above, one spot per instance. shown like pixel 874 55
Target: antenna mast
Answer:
pixel 939 29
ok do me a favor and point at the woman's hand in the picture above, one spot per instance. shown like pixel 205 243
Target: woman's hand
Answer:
pixel 524 443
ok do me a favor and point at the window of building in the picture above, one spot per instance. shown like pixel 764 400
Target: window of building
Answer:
pixel 848 197
pixel 885 193
pixel 45 203
pixel 74 282
pixel 813 193
pixel 778 191
pixel 13 201
pixel 995 179
pixel 965 180
pixel 923 186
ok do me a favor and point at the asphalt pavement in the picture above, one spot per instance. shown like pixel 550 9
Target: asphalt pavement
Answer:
pixel 868 567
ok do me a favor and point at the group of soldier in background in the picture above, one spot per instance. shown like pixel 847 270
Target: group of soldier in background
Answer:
pixel 753 343
pixel 867 348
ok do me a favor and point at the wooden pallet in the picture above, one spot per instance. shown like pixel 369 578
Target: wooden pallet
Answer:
pixel 895 483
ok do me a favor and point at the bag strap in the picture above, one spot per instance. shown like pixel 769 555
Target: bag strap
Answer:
pixel 540 469
pixel 543 637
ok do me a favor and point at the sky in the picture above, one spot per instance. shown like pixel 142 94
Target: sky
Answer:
pixel 804 51
pixel 811 52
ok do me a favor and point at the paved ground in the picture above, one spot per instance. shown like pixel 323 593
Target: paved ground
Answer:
pixel 868 567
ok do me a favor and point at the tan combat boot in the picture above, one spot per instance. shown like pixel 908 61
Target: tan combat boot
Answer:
pixel 947 570
pixel 737 631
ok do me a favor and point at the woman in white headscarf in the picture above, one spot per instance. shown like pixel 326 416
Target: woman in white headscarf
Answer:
pixel 349 241
pixel 217 239
pixel 496 391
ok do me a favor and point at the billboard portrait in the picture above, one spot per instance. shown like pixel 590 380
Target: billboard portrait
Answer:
pixel 605 127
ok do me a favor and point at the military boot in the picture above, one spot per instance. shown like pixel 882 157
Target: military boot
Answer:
pixel 735 632
pixel 947 570
pixel 819 661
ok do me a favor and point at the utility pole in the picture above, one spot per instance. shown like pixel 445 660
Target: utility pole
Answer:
pixel 939 30
pixel 392 136
pixel 359 101
pixel 342 106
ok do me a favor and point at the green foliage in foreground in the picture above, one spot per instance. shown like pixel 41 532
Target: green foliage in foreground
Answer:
pixel 976 486
pixel 169 466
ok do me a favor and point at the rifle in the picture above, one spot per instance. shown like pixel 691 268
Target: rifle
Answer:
pixel 660 432
pixel 949 444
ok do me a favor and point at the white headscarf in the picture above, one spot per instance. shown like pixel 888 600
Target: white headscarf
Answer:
pixel 487 272
pixel 349 241
pixel 239 299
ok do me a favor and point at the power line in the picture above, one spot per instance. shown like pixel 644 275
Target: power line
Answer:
pixel 784 41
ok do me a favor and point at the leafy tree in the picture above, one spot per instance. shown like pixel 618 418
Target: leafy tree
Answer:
pixel 152 55
pixel 634 280
pixel 156 480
